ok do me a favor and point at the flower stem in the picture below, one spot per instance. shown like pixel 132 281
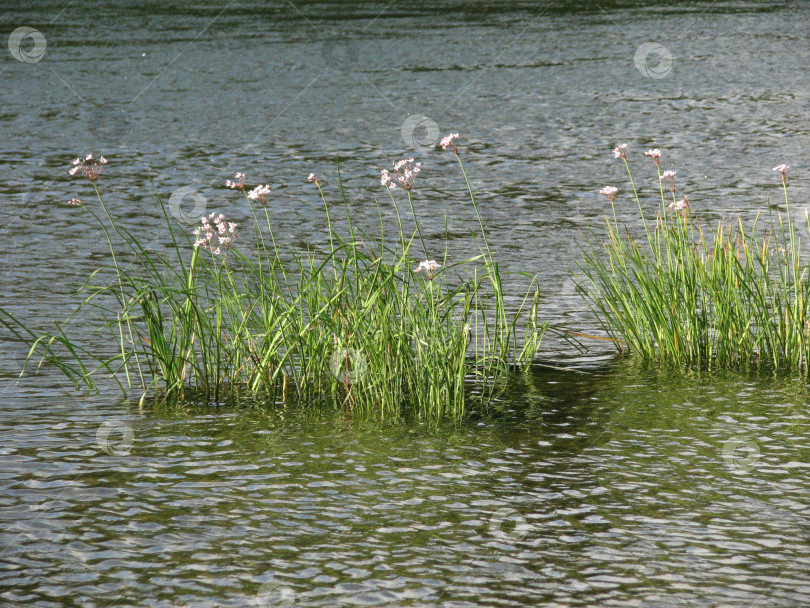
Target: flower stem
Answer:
pixel 416 221
pixel 475 206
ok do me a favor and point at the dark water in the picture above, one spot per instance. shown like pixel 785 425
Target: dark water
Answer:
pixel 616 487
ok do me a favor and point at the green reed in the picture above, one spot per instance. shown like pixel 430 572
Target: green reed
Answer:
pixel 351 324
pixel 685 293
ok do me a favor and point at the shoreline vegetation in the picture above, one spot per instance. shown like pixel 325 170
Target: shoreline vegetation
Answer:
pixel 377 326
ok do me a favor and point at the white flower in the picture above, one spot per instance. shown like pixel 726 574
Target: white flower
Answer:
pixel 450 141
pixel 259 193
pixel 221 232
pixel 655 153
pixel 682 205
pixel 609 191
pixel 386 180
pixel 429 266
pixel 403 176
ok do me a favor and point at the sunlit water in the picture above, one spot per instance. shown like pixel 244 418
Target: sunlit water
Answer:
pixel 598 486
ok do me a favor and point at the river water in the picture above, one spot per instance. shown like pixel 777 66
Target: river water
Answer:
pixel 596 485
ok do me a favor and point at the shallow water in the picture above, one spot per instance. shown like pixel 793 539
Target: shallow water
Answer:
pixel 628 488
pixel 607 488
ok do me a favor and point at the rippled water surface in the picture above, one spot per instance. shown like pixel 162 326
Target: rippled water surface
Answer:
pixel 597 485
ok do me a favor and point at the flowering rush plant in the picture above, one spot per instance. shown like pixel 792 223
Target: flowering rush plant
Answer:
pixel 259 194
pixel 239 184
pixel 782 170
pixel 610 192
pixel 403 175
pixel 214 233
pixel 429 267
pixel 450 142
pixel 88 166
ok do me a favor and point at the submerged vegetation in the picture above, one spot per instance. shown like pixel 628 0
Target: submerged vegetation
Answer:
pixel 355 324
pixel 684 293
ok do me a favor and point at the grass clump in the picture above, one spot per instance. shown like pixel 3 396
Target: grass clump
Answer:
pixel 355 324
pixel 684 293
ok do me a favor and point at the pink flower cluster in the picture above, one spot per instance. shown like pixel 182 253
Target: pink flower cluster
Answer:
pixel 314 180
pixel 403 175
pixel 450 141
pixel 610 192
pixel 430 267
pixel 681 206
pixel 620 151
pixel 89 166
pixel 655 154
pixel 782 169
pixel 239 184
pixel 214 233
pixel 259 193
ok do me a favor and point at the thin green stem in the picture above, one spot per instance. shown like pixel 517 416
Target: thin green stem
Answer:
pixel 475 206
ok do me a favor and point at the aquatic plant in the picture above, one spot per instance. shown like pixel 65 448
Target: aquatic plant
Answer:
pixel 682 292
pixel 360 326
